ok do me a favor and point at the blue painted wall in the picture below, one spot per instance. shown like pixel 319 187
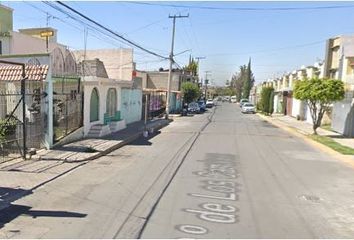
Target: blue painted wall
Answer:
pixel 175 104
pixel 131 105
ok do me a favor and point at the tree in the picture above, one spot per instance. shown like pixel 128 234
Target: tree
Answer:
pixel 239 81
pixel 266 101
pixel 190 91
pixel 192 67
pixel 248 81
pixel 319 95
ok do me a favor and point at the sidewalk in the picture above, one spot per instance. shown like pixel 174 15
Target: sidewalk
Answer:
pixel 20 177
pixel 305 128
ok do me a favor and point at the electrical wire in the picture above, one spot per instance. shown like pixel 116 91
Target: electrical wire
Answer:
pixel 245 8
pixel 110 31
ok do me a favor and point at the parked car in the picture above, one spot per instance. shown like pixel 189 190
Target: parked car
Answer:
pixel 243 101
pixel 185 109
pixel 209 103
pixel 193 107
pixel 202 105
pixel 233 99
pixel 248 108
pixel 227 98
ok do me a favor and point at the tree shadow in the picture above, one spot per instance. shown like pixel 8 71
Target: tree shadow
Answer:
pixel 13 211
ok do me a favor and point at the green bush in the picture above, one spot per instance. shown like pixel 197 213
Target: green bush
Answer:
pixel 190 91
pixel 266 101
pixel 7 128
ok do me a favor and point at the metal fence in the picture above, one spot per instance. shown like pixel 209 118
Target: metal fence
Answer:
pixel 13 119
pixel 68 106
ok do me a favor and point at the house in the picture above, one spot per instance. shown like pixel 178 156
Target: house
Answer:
pixel 154 85
pixel 120 69
pixel 106 109
pixel 61 89
pixel 118 62
pixel 339 64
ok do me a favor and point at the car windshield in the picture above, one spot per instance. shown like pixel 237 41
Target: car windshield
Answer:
pixel 248 105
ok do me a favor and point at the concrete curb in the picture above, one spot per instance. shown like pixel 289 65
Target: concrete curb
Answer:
pixel 300 134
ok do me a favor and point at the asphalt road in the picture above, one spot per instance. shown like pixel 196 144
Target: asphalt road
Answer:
pixel 215 175
pixel 245 178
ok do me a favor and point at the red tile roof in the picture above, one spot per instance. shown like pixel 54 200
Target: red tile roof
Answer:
pixel 14 73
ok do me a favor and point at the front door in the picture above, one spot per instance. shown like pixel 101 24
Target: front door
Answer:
pixel 94 106
pixel 111 103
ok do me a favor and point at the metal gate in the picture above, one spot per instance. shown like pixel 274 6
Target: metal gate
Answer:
pixel 20 119
pixel 68 107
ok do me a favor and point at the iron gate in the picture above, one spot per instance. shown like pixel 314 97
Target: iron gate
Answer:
pixel 20 119
pixel 68 107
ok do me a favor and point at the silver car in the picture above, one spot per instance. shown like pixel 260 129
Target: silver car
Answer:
pixel 248 108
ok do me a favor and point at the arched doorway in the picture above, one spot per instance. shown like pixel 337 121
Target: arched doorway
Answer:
pixel 111 102
pixel 94 105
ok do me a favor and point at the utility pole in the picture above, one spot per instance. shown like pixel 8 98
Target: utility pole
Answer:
pixel 171 62
pixel 199 58
pixel 206 83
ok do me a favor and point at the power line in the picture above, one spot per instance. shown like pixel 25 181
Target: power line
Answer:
pixel 246 8
pixel 101 33
pixel 109 30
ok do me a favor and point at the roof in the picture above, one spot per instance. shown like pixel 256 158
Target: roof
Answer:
pixel 14 73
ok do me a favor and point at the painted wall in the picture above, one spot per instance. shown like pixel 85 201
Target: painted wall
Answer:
pixel 102 85
pixel 20 43
pixel 297 108
pixel 118 62
pixel 6 23
pixel 343 116
pixel 131 104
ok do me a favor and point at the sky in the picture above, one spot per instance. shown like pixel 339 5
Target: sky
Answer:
pixel 275 36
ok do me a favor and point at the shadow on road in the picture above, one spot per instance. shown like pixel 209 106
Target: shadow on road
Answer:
pixel 145 141
pixel 13 211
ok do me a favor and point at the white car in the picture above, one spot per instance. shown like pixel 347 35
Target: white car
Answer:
pixel 248 108
pixel 233 99
pixel 209 103
pixel 243 101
